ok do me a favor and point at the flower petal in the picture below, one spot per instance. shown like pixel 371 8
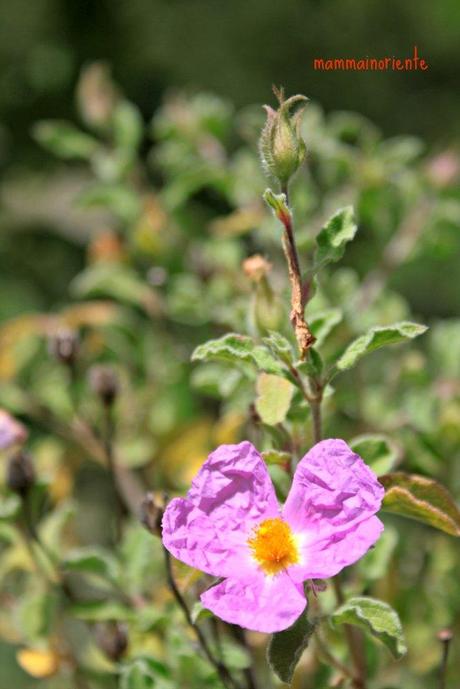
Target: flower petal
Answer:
pixel 192 537
pixel 330 506
pixel 326 557
pixel 233 488
pixel 263 604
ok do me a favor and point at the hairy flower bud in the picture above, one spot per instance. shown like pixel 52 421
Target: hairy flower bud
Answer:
pixel 20 473
pixel 281 147
pixel 64 345
pixel 104 383
pixel 112 639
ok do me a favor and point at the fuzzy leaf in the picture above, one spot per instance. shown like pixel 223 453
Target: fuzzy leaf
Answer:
pixel 101 611
pixel 234 348
pixel 377 451
pixel 376 338
pixel 331 240
pixel 274 398
pixel 423 499
pixel 286 647
pixel 322 322
pixel 137 675
pixel 377 618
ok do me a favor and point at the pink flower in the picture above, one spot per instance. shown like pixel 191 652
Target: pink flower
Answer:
pixel 11 431
pixel 230 525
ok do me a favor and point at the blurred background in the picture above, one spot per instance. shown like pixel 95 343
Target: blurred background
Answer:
pixel 233 49
pixel 130 196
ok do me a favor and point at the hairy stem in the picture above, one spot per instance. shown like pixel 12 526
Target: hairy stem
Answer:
pixel 223 672
pixel 302 331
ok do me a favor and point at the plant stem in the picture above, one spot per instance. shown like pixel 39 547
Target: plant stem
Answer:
pixel 108 439
pixel 302 331
pixel 354 640
pixel 445 637
pixel 223 672
pixel 248 672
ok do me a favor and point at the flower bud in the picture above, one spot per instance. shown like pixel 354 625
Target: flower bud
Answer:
pixel 151 514
pixel 96 94
pixel 112 639
pixel 104 383
pixel 20 473
pixel 256 267
pixel 281 147
pixel 64 345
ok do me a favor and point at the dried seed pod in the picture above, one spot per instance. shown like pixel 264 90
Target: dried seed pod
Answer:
pixel 20 473
pixel 64 346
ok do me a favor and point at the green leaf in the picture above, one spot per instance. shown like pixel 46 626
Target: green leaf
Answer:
pixel 234 656
pixel 94 561
pixel 137 675
pixel 10 506
pixel 274 398
pixel 101 611
pixel 233 347
pixel 421 498
pixel 378 337
pixel 278 344
pixel 374 565
pixel 331 240
pixel 322 322
pixel 276 457
pixel 377 451
pixel 127 126
pixel 281 480
pixel 199 612
pixel 117 282
pixel 286 647
pixel 313 365
pixel 377 618
pixel 64 140
pixel 117 198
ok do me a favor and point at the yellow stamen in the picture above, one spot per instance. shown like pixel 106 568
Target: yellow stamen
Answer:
pixel 273 546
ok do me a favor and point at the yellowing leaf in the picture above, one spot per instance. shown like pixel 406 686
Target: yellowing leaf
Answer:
pixel 274 398
pixel 421 498
pixel 38 663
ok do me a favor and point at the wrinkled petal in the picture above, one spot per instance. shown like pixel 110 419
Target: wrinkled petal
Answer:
pixel 233 488
pixel 263 604
pixel 326 557
pixel 192 537
pixel 333 495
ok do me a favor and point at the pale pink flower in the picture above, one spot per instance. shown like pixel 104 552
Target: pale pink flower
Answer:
pixel 230 525
pixel 12 432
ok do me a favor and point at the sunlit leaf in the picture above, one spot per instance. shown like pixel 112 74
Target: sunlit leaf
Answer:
pixel 423 499
pixel 378 337
pixel 377 618
pixel 92 560
pixel 274 395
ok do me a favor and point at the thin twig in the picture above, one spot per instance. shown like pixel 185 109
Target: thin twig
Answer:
pixel 224 674
pixel 249 675
pixel 445 637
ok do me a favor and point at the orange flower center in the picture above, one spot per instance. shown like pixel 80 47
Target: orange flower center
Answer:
pixel 273 546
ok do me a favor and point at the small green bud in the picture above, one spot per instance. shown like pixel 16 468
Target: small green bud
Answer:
pixel 278 204
pixel 281 147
